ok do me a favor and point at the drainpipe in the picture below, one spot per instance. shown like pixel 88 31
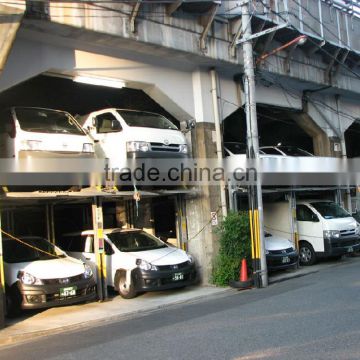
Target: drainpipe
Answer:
pixel 343 152
pixel 219 150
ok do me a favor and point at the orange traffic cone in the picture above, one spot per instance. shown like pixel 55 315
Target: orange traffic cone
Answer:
pixel 244 282
pixel 243 271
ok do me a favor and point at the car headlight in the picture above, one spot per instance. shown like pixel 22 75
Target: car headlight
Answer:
pixel 87 272
pixel 133 146
pixel 31 145
pixel 145 265
pixel 28 279
pixel 184 148
pixel 357 229
pixel 331 234
pixel 88 148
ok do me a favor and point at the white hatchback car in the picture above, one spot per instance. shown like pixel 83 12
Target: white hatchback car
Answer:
pixel 135 260
pixel 280 252
pixel 39 274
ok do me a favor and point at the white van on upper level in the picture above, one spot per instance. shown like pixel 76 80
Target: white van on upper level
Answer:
pixel 39 132
pixel 325 229
pixel 121 134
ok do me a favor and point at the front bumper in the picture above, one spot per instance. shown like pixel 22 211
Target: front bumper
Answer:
pixel 164 279
pixel 341 246
pixel 281 261
pixel 43 296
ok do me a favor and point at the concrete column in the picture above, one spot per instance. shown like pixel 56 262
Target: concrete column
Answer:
pixel 202 241
pixel 322 143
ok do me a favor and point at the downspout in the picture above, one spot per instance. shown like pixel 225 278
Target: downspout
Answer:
pixel 219 150
pixel 343 151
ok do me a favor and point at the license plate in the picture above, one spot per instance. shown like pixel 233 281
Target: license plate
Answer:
pixel 68 291
pixel 285 260
pixel 350 249
pixel 178 276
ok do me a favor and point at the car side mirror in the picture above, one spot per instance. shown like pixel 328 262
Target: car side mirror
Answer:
pixel 115 125
pixel 190 124
pixel 314 218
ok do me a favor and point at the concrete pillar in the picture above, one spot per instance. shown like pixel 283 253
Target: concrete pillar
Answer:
pixel 322 143
pixel 202 241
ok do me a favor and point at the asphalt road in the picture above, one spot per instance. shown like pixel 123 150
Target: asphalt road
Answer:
pixel 312 317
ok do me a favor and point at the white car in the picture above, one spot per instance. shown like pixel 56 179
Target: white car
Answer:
pixel 238 148
pixel 280 252
pixel 39 274
pixel 135 260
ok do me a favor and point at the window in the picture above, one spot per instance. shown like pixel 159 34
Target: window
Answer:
pixel 303 213
pixel 146 119
pixel 47 121
pixel 105 123
pixel 108 248
pixel 330 210
pixel 135 241
pixel 73 243
pixel 270 151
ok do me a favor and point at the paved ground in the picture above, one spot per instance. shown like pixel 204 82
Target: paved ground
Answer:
pixel 55 320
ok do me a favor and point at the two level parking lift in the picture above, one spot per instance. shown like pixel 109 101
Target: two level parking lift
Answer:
pixel 90 196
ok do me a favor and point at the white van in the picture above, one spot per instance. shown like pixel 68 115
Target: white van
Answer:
pixel 135 260
pixel 38 132
pixel 325 229
pixel 120 134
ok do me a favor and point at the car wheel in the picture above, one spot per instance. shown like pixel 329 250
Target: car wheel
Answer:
pixel 125 291
pixel 306 254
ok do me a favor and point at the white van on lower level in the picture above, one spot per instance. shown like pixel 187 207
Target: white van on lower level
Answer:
pixel 325 229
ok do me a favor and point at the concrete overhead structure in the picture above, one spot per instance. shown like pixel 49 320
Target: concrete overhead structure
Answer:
pixel 167 51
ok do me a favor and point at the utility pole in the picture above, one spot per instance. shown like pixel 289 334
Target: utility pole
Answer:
pixel 255 193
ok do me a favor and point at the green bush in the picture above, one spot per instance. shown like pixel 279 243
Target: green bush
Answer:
pixel 235 245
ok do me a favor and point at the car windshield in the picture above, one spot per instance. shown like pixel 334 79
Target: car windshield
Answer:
pixel 293 151
pixel 47 121
pixel 17 252
pixel 330 210
pixel 135 241
pixel 146 119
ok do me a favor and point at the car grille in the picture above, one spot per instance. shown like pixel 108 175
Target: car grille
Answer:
pixel 173 267
pixel 345 233
pixel 63 281
pixel 155 146
pixel 281 252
